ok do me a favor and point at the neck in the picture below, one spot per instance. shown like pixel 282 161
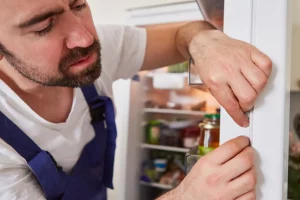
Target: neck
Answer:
pixel 20 84
pixel 36 96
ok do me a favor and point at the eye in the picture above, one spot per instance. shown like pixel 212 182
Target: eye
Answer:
pixel 80 7
pixel 45 30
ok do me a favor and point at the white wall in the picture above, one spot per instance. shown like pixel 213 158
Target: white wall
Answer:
pixel 143 3
pixel 295 76
pixel 108 11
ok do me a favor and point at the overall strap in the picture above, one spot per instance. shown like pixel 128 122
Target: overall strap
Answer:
pixel 15 137
pixel 99 105
pixel 41 162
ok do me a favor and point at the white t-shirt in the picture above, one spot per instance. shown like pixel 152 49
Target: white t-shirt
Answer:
pixel 123 51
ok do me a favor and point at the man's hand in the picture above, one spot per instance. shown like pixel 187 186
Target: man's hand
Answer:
pixel 226 173
pixel 235 72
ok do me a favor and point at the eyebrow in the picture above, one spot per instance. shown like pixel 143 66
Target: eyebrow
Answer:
pixel 41 17
pixel 73 3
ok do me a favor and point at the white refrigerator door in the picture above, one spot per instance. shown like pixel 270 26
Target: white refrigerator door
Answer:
pixel 267 25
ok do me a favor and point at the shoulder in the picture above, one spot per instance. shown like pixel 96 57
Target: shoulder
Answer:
pixel 9 157
pixel 16 179
pixel 113 30
pixel 123 51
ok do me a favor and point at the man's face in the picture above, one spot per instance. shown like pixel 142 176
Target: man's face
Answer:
pixel 51 42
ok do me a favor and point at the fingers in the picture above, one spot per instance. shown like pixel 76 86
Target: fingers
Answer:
pixel 226 98
pixel 262 61
pixel 243 91
pixel 243 184
pixel 255 76
pixel 240 164
pixel 228 150
pixel 248 196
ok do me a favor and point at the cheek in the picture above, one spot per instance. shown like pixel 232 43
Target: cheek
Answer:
pixel 35 50
pixel 45 54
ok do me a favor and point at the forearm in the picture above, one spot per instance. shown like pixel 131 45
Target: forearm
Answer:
pixel 186 33
pixel 170 196
pixel 168 44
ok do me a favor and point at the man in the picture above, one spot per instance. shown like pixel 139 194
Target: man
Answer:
pixel 57 122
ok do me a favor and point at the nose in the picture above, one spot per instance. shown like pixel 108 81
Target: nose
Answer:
pixel 78 36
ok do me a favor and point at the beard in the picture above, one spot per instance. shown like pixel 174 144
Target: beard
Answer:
pixel 63 78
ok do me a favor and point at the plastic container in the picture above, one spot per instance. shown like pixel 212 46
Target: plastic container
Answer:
pixel 160 165
pixel 190 136
pixel 170 137
pixel 192 157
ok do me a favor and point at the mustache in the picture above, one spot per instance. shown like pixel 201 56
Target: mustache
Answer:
pixel 76 54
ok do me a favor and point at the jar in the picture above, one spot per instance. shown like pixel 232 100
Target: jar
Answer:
pixel 153 132
pixel 169 137
pixel 190 136
pixel 209 134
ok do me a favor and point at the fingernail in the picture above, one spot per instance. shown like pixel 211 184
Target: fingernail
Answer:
pixel 246 123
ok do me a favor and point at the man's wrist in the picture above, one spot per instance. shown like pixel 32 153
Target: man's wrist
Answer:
pixel 186 33
pixel 172 195
pixel 176 194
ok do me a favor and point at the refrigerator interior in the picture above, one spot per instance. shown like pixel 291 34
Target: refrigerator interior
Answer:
pixel 169 109
pixel 162 101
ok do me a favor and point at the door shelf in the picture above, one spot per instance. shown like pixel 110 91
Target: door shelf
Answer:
pixel 176 112
pixel 157 185
pixel 165 148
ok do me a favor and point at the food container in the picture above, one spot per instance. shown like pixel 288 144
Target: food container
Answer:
pixel 153 132
pixel 192 157
pixel 209 134
pixel 190 136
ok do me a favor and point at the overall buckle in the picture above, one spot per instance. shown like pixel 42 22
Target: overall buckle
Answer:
pixel 59 168
pixel 97 110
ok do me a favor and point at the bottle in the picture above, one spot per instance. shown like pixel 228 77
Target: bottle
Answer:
pixel 153 132
pixel 209 134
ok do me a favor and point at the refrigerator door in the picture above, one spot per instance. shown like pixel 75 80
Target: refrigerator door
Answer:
pixel 267 25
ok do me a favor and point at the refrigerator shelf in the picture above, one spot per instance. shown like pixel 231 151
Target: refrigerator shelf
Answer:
pixel 157 185
pixel 176 112
pixel 165 148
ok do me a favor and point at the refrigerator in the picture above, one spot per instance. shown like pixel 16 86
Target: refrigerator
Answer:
pixel 267 24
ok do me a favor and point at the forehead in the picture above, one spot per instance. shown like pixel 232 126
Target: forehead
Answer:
pixel 15 11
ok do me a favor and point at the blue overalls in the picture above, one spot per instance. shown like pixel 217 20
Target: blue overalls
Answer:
pixel 93 172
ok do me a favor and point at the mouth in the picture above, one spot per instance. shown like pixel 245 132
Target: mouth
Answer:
pixel 84 62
